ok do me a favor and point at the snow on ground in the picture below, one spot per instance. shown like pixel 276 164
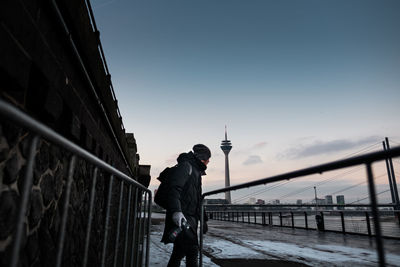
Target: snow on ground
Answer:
pixel 240 241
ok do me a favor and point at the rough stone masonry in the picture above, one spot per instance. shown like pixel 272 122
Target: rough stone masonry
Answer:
pixel 41 75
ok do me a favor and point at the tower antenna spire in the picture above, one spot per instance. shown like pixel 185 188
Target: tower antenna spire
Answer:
pixel 226 147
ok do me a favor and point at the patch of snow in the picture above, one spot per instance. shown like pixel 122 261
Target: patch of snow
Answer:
pixel 225 249
pixel 364 254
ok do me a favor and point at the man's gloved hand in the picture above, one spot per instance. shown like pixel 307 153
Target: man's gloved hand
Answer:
pixel 205 228
pixel 177 218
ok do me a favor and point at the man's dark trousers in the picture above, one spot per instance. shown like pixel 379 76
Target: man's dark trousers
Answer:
pixel 185 245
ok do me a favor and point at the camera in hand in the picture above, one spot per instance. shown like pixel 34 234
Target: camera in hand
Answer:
pixel 177 230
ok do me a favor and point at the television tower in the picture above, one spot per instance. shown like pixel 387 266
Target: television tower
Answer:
pixel 226 147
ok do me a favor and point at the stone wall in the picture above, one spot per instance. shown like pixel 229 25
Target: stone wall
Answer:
pixel 41 75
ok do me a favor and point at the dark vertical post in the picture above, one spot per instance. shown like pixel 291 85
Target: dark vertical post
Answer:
pixel 270 221
pixel 201 233
pixel 107 220
pixel 248 217
pixel 255 217
pixel 26 191
pixel 292 219
pixel 389 175
pixel 65 210
pixel 116 248
pixel 374 207
pixel 135 224
pixel 90 217
pixel 323 220
pixel 343 224
pixel 396 193
pixel 148 230
pixel 263 218
pixel 280 218
pixel 368 223
pixel 306 219
pixel 128 214
pixel 242 217
pixel 139 239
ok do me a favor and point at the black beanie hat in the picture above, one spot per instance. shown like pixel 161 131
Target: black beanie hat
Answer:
pixel 201 152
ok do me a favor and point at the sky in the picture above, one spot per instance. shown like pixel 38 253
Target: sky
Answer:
pixel 298 83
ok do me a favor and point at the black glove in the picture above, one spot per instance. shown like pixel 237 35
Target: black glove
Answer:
pixel 205 228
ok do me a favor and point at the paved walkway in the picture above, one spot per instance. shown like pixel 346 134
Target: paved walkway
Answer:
pixel 235 244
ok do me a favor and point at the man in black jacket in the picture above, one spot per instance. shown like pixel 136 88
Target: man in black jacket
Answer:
pixel 184 203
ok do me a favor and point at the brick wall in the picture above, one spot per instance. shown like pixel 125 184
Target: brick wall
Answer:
pixel 41 75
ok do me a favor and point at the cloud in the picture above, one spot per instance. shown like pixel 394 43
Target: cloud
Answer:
pixel 253 159
pixel 259 145
pixel 320 147
pixel 248 150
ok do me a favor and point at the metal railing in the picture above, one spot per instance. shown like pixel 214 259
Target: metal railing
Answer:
pixel 139 225
pixel 348 221
pixel 366 159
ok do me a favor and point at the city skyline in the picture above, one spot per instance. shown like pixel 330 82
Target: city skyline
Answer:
pixel 302 83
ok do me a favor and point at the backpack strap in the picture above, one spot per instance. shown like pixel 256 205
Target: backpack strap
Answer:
pixel 190 169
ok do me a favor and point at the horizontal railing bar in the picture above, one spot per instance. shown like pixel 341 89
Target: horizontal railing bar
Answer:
pixel 10 112
pixel 297 205
pixel 367 158
pixel 310 212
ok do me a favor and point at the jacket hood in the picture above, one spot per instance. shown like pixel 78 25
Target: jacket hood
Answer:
pixel 192 160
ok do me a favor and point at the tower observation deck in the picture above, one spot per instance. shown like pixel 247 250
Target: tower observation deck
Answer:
pixel 226 147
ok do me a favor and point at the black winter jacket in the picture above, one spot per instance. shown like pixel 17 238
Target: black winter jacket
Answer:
pixel 185 192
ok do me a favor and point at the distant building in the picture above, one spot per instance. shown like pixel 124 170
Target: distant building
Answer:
pixel 320 201
pixel 276 201
pixel 252 200
pixel 340 201
pixel 329 201
pixel 299 202
pixel 260 202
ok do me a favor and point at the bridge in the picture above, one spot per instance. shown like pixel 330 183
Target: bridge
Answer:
pixel 74 194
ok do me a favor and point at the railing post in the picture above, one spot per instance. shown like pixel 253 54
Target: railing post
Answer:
pixel 306 219
pixel 255 217
pixel 248 217
pixel 106 224
pixel 242 217
pixel 134 224
pixel 263 218
pixel 270 220
pixel 25 194
pixel 280 218
pixel 292 219
pixel 90 217
pixel 65 211
pixel 148 230
pixel 375 214
pixel 323 220
pixel 343 224
pixel 140 233
pixel 121 194
pixel 128 214
pixel 368 223
pixel 201 233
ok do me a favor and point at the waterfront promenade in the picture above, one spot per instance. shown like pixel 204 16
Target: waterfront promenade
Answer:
pixel 235 244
